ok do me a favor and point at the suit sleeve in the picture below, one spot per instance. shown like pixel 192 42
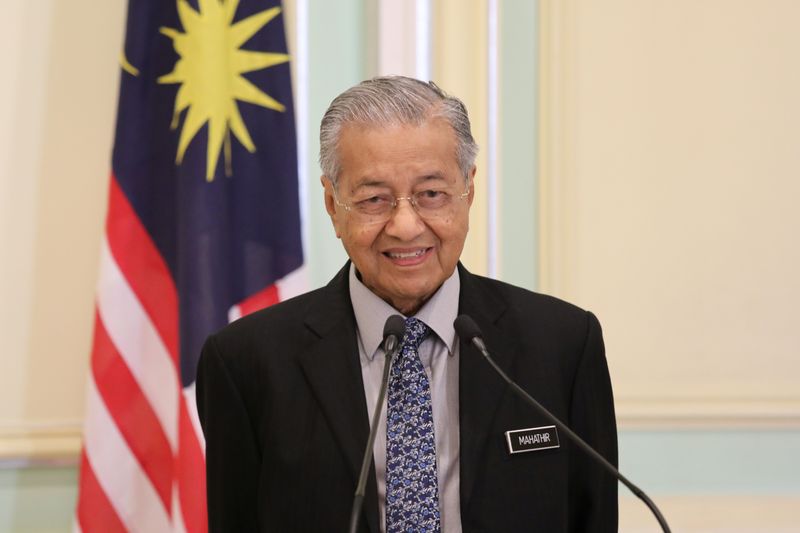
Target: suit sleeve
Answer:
pixel 232 457
pixel 593 491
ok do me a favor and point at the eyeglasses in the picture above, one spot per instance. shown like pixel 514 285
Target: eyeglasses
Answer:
pixel 378 208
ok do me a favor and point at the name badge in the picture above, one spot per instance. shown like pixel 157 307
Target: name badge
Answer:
pixel 532 439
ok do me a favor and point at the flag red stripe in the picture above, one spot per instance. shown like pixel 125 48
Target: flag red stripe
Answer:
pixel 264 298
pixel 144 267
pixel 191 475
pixel 132 413
pixel 95 513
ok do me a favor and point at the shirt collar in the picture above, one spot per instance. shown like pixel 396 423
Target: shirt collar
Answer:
pixel 371 312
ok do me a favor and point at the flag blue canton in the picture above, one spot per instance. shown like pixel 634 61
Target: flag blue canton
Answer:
pixel 223 240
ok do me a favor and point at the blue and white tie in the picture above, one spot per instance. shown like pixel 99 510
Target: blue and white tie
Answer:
pixel 412 491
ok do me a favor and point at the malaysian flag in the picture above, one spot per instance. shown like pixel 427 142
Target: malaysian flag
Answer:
pixel 203 226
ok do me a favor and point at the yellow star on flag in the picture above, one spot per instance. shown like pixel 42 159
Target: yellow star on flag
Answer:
pixel 210 71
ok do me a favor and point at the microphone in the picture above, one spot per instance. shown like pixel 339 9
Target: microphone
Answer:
pixel 469 333
pixel 392 335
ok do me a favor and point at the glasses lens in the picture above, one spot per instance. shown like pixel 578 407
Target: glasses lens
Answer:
pixel 432 201
pixel 378 208
pixel 377 205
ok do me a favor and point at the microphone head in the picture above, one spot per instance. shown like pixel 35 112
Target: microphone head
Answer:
pixel 393 331
pixel 466 328
pixel 395 325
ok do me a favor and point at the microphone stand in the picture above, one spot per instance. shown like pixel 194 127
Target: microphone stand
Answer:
pixel 361 487
pixel 475 339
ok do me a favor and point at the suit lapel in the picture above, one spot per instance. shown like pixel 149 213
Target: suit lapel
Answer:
pixel 480 388
pixel 334 374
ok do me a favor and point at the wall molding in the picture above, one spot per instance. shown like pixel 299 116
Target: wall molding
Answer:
pixel 707 413
pixel 687 354
pixel 61 442
pixel 45 443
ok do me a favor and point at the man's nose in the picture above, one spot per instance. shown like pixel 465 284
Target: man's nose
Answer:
pixel 404 222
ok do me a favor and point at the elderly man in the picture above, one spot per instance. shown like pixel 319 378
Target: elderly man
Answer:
pixel 286 395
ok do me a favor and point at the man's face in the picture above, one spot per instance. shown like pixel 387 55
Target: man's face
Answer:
pixel 405 259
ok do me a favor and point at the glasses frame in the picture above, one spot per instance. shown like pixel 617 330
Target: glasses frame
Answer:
pixel 396 201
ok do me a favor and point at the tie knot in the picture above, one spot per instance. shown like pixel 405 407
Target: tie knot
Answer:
pixel 416 331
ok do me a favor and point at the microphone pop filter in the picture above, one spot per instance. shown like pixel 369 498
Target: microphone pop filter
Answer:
pixel 395 325
pixel 466 328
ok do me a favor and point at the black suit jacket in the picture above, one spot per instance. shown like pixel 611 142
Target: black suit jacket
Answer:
pixel 281 401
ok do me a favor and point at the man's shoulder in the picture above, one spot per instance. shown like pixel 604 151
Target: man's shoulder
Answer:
pixel 287 317
pixel 520 299
pixel 522 313
pixel 281 318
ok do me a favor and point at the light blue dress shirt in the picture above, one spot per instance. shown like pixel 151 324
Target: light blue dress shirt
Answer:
pixel 439 355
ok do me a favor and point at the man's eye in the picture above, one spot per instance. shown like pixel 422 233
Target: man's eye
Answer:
pixel 373 204
pixel 430 194
pixel 432 199
pixel 373 200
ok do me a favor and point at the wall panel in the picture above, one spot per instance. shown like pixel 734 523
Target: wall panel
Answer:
pixel 459 67
pixel 60 76
pixel 670 182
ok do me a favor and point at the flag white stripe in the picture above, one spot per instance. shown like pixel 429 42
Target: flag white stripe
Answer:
pixel 178 525
pixel 138 342
pixel 120 476
pixel 293 284
pixel 234 313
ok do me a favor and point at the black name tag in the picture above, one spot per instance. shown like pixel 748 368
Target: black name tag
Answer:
pixel 532 439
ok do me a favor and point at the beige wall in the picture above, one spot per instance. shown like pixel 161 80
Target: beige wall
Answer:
pixel 671 168
pixel 57 99
pixel 459 65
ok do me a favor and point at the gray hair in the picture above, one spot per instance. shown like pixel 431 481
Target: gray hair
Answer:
pixel 393 100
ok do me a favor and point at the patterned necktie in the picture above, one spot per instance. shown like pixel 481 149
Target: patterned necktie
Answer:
pixel 412 491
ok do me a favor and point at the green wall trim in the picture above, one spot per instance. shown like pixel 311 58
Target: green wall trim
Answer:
pixel 337 60
pixel 722 462
pixel 518 212
pixel 690 462
pixel 38 499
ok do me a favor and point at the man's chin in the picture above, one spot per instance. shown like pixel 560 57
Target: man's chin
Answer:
pixel 409 302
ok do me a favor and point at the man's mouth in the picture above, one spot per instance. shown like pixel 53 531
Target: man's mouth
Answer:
pixel 407 254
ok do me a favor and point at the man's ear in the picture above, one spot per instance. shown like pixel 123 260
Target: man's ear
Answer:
pixel 471 195
pixel 330 203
